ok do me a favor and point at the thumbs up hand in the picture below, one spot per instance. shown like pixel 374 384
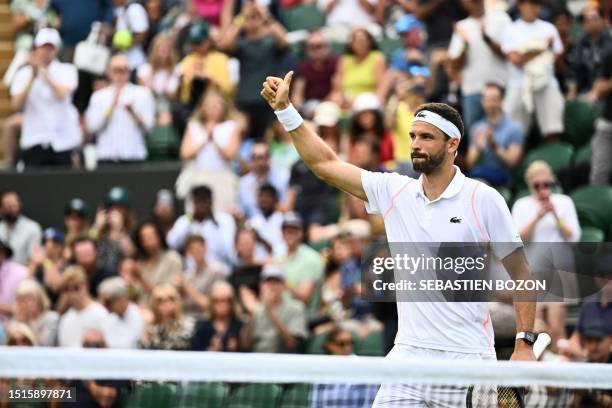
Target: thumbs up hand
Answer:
pixel 276 91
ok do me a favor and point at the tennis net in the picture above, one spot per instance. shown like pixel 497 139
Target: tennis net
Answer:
pixel 139 378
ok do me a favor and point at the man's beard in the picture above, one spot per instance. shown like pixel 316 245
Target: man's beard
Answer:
pixel 428 164
pixel 10 218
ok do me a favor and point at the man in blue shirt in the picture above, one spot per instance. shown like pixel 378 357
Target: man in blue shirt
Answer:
pixel 496 142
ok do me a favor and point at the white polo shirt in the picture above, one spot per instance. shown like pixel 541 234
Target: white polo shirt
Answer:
pixel 409 216
pixel 47 120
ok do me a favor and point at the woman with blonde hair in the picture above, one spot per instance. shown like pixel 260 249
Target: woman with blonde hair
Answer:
pixel 210 144
pixel 221 330
pixel 170 328
pixel 32 309
pixel 548 225
pixel 160 77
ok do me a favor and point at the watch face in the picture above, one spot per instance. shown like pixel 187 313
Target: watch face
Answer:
pixel 530 337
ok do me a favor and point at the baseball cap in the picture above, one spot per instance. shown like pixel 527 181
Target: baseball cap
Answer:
pixel 292 220
pixel 326 114
pixel 76 205
pixel 118 196
pixel 198 32
pixel 54 235
pixel 47 36
pixel 272 272
pixel 366 101
pixel 407 23
pixel 594 328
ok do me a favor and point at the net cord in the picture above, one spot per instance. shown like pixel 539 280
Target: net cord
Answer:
pixel 181 366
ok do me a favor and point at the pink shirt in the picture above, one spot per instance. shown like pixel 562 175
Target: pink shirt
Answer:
pixel 209 10
pixel 11 274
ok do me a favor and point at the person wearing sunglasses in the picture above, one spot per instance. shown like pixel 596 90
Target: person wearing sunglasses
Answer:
pixel 548 224
pixel 83 310
pixel 339 342
pixel 170 328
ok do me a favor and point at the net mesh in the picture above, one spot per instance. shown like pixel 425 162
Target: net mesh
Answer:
pixel 138 378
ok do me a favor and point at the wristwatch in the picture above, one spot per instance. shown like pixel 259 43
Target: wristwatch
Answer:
pixel 527 337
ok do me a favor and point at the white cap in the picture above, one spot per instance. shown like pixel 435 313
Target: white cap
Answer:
pixel 272 271
pixel 47 36
pixel 326 114
pixel 366 101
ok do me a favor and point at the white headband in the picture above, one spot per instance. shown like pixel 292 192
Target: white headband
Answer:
pixel 438 121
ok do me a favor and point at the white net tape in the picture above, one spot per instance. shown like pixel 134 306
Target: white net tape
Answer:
pixel 16 362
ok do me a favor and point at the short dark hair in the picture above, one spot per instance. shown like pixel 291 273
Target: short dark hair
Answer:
pixel 349 46
pixel 501 89
pixel 158 231
pixel 201 193
pixel 446 111
pixel 268 188
pixel 83 238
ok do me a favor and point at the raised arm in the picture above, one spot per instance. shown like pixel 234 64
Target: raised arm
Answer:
pixel 315 153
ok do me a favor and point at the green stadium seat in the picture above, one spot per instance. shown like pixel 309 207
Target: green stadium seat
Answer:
pixel 389 45
pixel 315 344
pixel 304 17
pixel 195 395
pixel 255 396
pixel 594 206
pixel 149 395
pixel 558 156
pixel 579 118
pixel 583 155
pixel 371 345
pixel 592 234
pixel 337 47
pixel 296 396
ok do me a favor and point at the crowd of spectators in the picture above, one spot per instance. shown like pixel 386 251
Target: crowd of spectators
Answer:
pixel 266 255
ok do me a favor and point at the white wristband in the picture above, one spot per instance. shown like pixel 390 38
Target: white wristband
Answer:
pixel 289 118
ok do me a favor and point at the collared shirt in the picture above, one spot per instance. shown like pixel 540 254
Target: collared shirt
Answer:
pixel 506 133
pixel 74 323
pixel 124 331
pixel 266 338
pixel 586 57
pixel 47 120
pixel 11 274
pixel 249 185
pixel 482 64
pixel 269 229
pixel 410 217
pixel 306 264
pixel 122 138
pixel 521 35
pixel 22 237
pixel 218 232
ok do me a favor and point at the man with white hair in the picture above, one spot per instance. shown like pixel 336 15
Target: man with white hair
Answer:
pixel 125 324
pixel 42 90
pixel 121 115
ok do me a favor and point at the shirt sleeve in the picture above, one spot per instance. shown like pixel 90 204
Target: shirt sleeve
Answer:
pixel 145 108
pixel 498 223
pixel 70 77
pixel 94 116
pixel 178 234
pixel 21 80
pixel 379 188
pixel 557 45
pixel 507 41
pixel 517 136
pixel 456 46
pixel 137 18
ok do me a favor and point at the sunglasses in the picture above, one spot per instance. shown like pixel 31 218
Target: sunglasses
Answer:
pixel 541 186
pixel 222 300
pixel 94 344
pixel 163 299
pixel 120 70
pixel 73 288
pixel 343 343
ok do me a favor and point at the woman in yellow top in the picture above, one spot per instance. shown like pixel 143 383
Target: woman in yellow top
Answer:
pixel 360 69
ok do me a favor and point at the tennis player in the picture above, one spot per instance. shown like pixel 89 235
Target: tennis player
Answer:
pixel 443 205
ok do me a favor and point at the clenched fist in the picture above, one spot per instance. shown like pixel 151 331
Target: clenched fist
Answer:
pixel 276 91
